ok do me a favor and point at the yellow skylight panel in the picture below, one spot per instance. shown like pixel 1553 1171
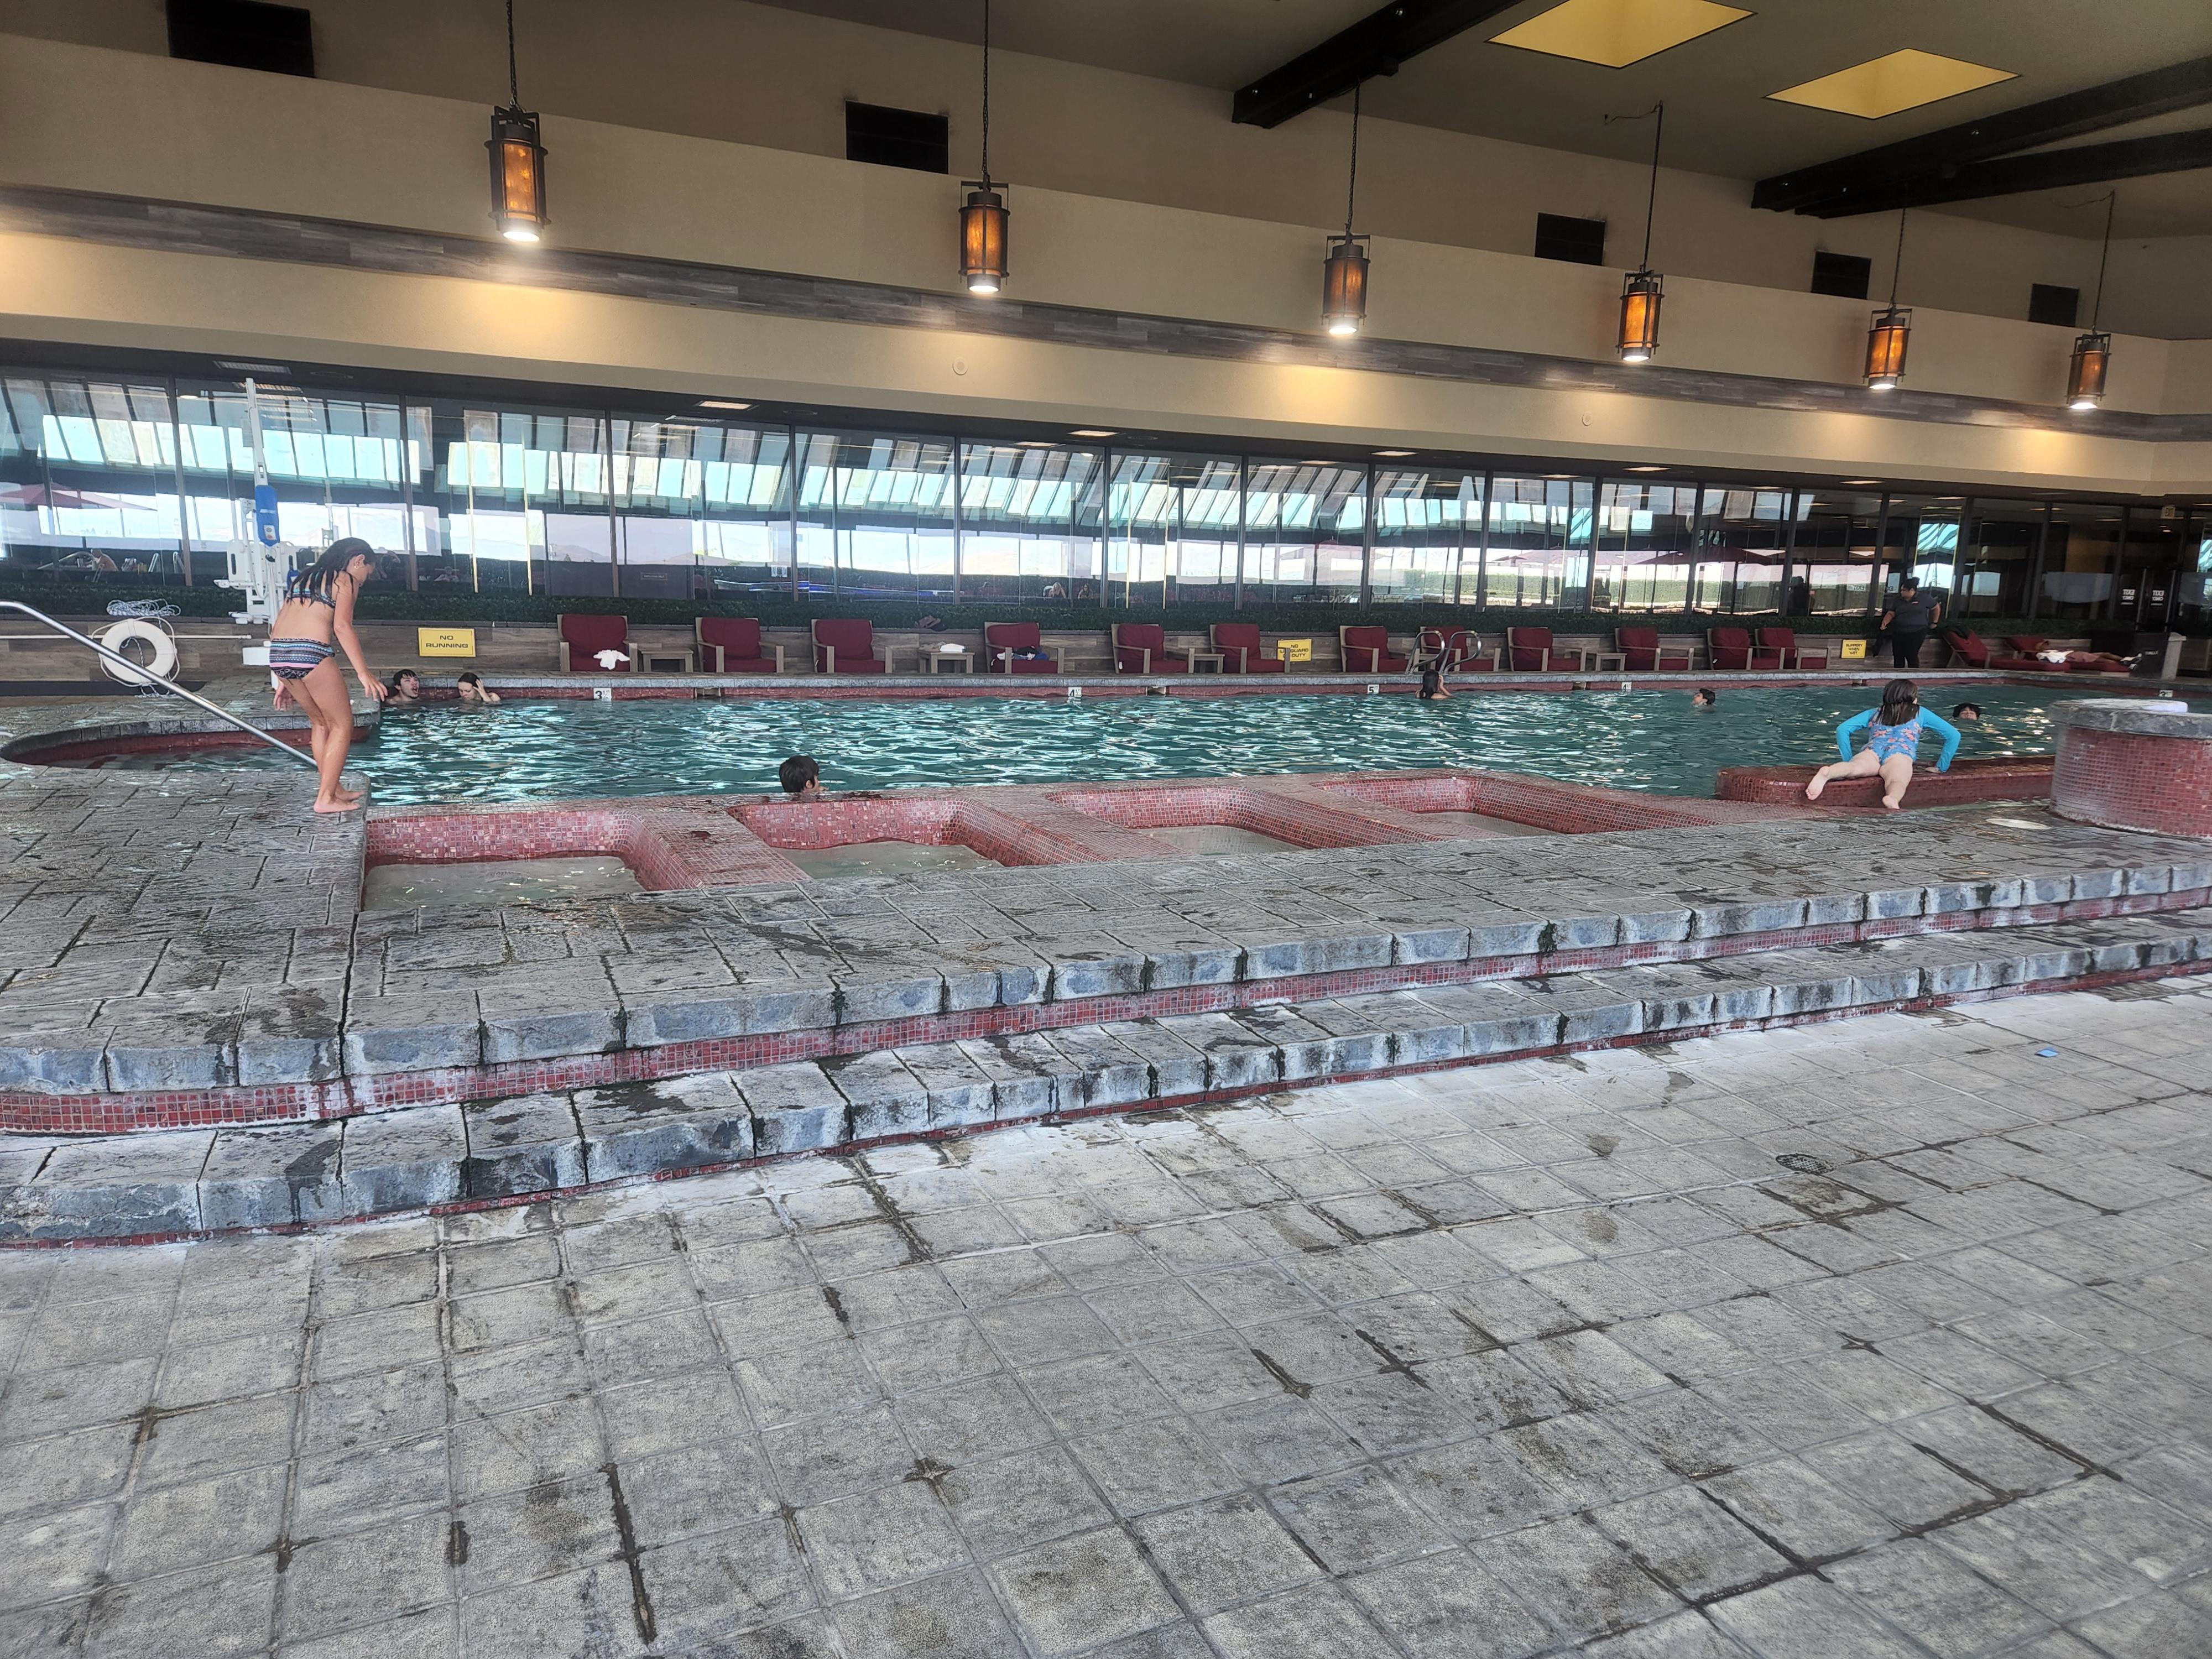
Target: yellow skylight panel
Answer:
pixel 1617 33
pixel 1883 85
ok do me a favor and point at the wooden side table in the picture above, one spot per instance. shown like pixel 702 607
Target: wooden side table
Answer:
pixel 655 659
pixel 933 655
pixel 1618 659
pixel 1195 658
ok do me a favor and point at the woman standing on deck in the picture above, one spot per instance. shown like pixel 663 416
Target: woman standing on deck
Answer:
pixel 1893 733
pixel 316 619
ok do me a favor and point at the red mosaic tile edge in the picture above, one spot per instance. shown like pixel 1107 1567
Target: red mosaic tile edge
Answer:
pixel 1221 1096
pixel 76 1115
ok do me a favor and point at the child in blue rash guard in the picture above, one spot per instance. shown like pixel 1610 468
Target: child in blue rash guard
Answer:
pixel 1893 733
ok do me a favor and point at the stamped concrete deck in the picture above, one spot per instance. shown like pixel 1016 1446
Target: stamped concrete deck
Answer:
pixel 1884 1339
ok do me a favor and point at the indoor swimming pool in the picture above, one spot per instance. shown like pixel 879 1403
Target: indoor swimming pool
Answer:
pixel 576 749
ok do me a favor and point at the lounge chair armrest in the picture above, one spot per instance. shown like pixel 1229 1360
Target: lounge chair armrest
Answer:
pixel 564 657
pixel 830 659
pixel 779 657
pixel 637 654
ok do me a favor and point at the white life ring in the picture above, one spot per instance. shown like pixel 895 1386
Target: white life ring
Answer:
pixel 155 636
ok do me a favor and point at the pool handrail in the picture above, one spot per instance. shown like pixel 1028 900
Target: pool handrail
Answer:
pixel 144 676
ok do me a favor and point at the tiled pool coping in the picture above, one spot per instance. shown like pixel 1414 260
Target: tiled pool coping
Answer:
pixel 187 948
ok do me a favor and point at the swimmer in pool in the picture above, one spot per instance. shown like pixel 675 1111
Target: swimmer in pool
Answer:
pixel 800 776
pixel 406 689
pixel 1967 713
pixel 1893 733
pixel 1703 698
pixel 1433 689
pixel 473 690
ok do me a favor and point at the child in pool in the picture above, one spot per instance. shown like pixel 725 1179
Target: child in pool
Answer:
pixel 473 690
pixel 1893 733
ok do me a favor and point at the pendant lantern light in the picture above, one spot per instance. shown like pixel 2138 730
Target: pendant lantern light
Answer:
pixel 1892 330
pixel 2093 352
pixel 1644 289
pixel 1344 273
pixel 518 160
pixel 983 217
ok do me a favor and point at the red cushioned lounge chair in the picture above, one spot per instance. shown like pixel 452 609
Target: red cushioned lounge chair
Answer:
pixel 2019 655
pixel 584 636
pixel 1532 652
pixel 1782 641
pixel 1239 645
pixel 846 645
pixel 732 645
pixel 1456 651
pixel 1968 648
pixel 1367 650
pixel 1640 653
pixel 1731 649
pixel 1141 648
pixel 1002 641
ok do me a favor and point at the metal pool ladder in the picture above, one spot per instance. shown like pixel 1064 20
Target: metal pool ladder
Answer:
pixel 141 674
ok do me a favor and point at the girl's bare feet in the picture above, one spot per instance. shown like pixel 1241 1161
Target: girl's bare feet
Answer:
pixel 338 806
pixel 1820 782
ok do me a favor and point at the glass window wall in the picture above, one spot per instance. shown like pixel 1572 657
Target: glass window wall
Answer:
pixel 1305 536
pixel 1539 555
pixel 1428 537
pixel 1647 546
pixel 125 477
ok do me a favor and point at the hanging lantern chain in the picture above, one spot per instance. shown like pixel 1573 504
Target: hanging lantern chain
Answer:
pixel 987 92
pixel 513 78
pixel 1351 184
pixel 1651 202
pixel 2097 305
pixel 1897 265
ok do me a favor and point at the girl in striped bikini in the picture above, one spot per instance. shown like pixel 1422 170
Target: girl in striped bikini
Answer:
pixel 316 619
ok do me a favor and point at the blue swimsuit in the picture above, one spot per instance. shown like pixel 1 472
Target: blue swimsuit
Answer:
pixel 1888 742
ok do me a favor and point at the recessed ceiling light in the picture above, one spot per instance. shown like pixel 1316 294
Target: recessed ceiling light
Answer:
pixel 1883 85
pixel 1647 469
pixel 1033 443
pixel 1394 454
pixel 1617 33
pixel 721 403
pixel 1091 432
pixel 1862 481
pixel 253 368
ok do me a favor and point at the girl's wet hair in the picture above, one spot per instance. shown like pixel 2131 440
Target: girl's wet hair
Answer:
pixel 1901 702
pixel 319 577
pixel 469 677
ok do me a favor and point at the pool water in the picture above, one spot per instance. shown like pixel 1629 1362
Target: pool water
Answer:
pixel 577 748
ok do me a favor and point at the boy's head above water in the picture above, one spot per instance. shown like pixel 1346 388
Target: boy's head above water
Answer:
pixel 798 775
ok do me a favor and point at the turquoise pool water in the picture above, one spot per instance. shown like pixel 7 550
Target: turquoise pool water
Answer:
pixel 1628 740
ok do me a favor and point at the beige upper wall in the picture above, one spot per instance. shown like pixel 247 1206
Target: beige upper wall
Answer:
pixel 766 76
pixel 137 124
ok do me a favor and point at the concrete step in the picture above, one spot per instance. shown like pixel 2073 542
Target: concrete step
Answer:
pixel 171 1181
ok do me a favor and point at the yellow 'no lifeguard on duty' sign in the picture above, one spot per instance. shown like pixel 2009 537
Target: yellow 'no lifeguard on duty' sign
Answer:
pixel 1294 650
pixel 1853 651
pixel 445 641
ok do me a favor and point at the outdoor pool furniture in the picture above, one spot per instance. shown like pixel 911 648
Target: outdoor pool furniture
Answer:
pixel 1642 654
pixel 1141 648
pixel 1237 644
pixel 846 645
pixel 1533 652
pixel 1002 640
pixel 584 635
pixel 1367 651
pixel 1730 648
pixel 732 645
pixel 1784 643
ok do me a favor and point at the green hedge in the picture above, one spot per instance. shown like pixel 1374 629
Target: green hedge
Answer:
pixel 382 604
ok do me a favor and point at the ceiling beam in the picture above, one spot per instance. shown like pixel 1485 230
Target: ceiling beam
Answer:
pixel 1375 44
pixel 1832 188
pixel 2050 169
